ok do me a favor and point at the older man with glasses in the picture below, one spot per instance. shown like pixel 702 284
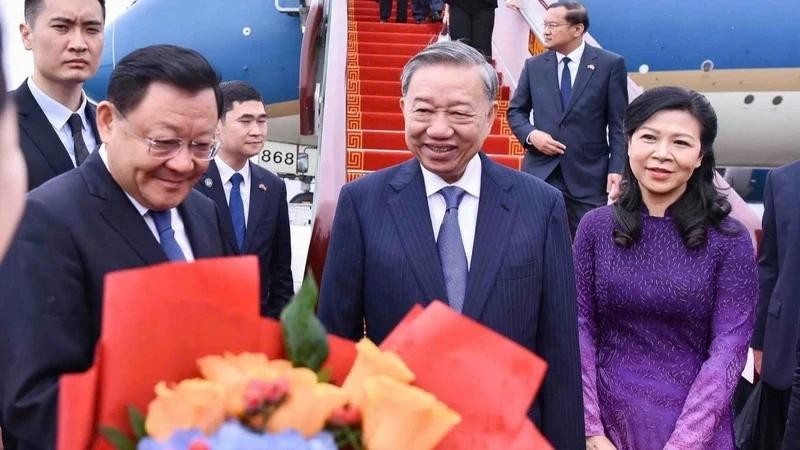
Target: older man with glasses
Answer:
pixel 130 204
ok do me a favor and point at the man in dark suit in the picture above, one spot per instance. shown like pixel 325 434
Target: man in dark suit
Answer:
pixel 131 204
pixel 56 123
pixel 453 225
pixel 251 199
pixel 578 95
pixel 776 329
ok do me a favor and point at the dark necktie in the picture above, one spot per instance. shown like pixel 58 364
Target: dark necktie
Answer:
pixel 166 235
pixel 566 83
pixel 237 209
pixel 76 126
pixel 451 249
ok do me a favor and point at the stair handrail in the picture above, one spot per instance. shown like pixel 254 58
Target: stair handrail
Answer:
pixel 308 66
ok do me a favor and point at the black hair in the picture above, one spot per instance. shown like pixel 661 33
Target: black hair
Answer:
pixel 2 75
pixel 176 66
pixel 237 91
pixel 34 7
pixel 576 12
pixel 701 205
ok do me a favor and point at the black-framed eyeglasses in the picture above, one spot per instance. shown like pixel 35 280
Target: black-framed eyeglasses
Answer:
pixel 553 25
pixel 167 148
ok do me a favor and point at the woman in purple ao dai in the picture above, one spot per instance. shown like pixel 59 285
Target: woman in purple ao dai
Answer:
pixel 667 287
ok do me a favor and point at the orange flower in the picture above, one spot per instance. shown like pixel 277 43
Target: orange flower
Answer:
pixel 308 405
pixel 192 403
pixel 396 415
pixel 234 372
pixel 371 361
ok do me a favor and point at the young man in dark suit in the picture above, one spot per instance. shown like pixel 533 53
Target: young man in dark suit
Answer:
pixel 56 123
pixel 578 95
pixel 251 199
pixel 130 204
pixel 453 225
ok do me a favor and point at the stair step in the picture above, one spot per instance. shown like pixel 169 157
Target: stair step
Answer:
pixel 395 140
pixel 385 61
pixel 376 48
pixel 394 27
pixel 359 160
pixel 383 38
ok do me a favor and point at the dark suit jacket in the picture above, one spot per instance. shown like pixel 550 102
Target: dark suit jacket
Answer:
pixel 791 436
pixel 382 259
pixel 778 267
pixel 77 228
pixel 599 98
pixel 45 155
pixel 267 232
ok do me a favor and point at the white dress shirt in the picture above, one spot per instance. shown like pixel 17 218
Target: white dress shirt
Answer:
pixel 58 115
pixel 467 210
pixel 177 222
pixel 574 63
pixel 225 174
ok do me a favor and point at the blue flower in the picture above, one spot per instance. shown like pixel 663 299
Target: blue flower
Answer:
pixel 233 436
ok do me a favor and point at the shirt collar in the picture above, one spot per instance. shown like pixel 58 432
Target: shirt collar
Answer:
pixel 226 172
pixel 139 207
pixel 574 55
pixel 470 181
pixel 56 113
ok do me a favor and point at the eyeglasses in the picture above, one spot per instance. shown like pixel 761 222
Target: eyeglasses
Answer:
pixel 553 25
pixel 167 148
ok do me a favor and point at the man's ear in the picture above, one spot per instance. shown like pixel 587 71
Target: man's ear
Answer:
pixel 106 120
pixel 25 33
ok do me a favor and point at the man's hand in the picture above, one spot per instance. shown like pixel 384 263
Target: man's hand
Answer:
pixel 599 443
pixel 545 143
pixel 613 186
pixel 758 356
pixel 516 5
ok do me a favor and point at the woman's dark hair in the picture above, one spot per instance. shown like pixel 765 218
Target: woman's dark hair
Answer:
pixel 701 204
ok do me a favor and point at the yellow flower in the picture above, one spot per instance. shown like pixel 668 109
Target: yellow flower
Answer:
pixel 192 403
pixel 371 361
pixel 234 372
pixel 396 415
pixel 308 405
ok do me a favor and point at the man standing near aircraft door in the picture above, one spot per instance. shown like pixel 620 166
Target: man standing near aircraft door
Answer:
pixel 251 199
pixel 578 95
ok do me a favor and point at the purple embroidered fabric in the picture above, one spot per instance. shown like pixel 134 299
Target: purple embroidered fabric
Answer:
pixel 664 332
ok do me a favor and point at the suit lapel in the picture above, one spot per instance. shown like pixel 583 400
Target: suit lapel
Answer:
pixel 119 212
pixel 496 212
pixel 409 208
pixel 258 200
pixel 199 235
pixel 583 77
pixel 212 186
pixel 36 126
pixel 551 79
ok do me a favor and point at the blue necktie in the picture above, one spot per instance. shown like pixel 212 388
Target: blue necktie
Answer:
pixel 237 209
pixel 166 235
pixel 566 82
pixel 451 249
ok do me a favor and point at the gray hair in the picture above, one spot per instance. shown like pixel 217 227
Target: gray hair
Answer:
pixel 452 53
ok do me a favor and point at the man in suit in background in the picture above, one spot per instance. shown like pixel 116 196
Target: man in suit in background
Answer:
pixel 251 199
pixel 451 224
pixel 578 95
pixel 56 123
pixel 130 204
pixel 776 329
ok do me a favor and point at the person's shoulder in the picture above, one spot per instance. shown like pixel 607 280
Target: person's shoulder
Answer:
pixel 60 191
pixel 261 172
pixel 377 180
pixel 788 172
pixel 599 218
pixel 606 53
pixel 529 183
pixel 197 201
pixel 730 229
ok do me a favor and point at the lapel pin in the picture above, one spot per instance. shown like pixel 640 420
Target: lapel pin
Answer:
pixel 262 187
pixel 590 67
pixel 208 182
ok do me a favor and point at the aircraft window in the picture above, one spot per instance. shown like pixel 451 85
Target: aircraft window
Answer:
pixel 748 99
pixel 777 100
pixel 707 66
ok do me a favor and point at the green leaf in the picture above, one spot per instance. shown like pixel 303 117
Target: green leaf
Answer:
pixel 136 419
pixel 117 438
pixel 304 336
pixel 324 376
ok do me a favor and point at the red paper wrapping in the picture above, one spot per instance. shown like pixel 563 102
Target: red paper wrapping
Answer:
pixel 158 321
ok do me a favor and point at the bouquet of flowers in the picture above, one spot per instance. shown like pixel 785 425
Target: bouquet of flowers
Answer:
pixel 221 381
